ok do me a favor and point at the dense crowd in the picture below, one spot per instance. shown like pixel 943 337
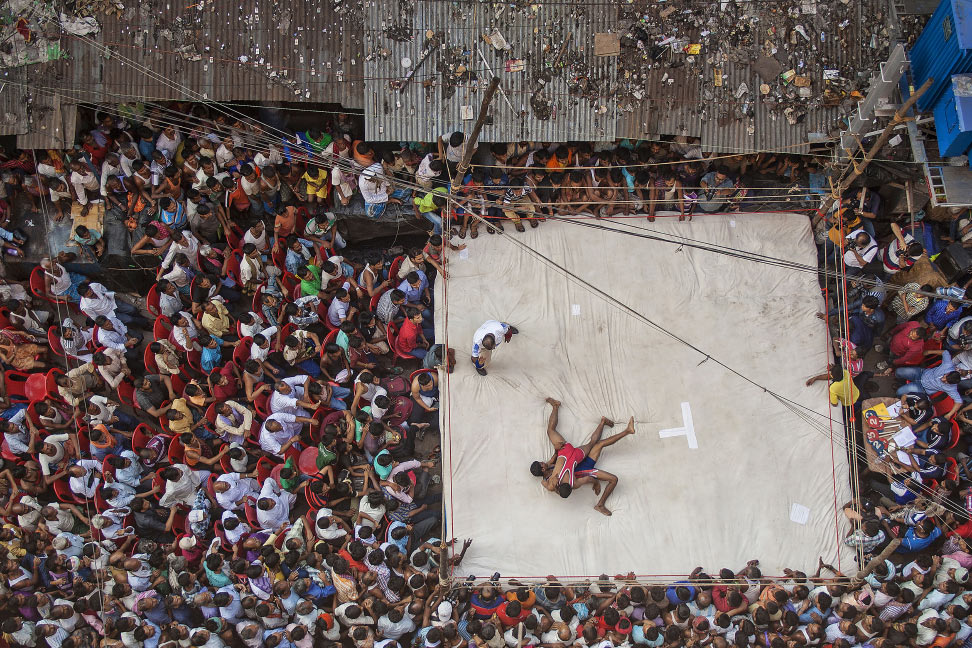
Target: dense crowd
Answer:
pixel 248 455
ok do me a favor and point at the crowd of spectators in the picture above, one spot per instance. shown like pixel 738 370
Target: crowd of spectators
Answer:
pixel 248 454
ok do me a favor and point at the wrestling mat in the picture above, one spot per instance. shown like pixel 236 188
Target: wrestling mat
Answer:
pixel 718 472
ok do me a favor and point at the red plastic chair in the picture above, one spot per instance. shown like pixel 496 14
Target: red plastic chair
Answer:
pixel 942 403
pixel 951 468
pixel 242 351
pixel 257 305
pixel 54 341
pixel 195 360
pixel 373 304
pixel 64 493
pixel 287 329
pixel 234 239
pixel 50 385
pixel 142 435
pixel 211 415
pixel 295 292
pixel 178 385
pixel 300 222
pixel 264 467
pixel 161 328
pixel 392 338
pixel 153 302
pixel 262 405
pixel 224 544
pixel 148 359
pixel 251 516
pixel 37 287
pixel 329 338
pixel 33 415
pixel 177 451
pixel 16 382
pixel 395 267
pixel 289 282
pixel 954 434
pixel 233 267
pixel 278 256
pixel 126 393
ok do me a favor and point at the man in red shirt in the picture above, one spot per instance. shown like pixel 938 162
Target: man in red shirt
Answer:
pixel 411 338
pixel 908 344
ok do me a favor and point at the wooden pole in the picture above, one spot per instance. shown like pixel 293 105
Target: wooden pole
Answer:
pixel 470 144
pixel 900 115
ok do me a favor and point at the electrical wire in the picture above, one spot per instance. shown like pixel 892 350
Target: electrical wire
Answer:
pixel 59 91
pixel 195 122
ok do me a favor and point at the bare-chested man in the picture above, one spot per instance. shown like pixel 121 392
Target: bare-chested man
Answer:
pixel 573 467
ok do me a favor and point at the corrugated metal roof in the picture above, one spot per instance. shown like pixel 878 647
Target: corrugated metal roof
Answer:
pixel 547 74
pixel 252 50
pixel 669 106
pixel 13 117
pixel 728 122
pixel 752 122
pixel 52 124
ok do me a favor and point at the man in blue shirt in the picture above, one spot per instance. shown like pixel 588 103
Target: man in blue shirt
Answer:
pixel 945 378
pixel 416 290
pixel 919 537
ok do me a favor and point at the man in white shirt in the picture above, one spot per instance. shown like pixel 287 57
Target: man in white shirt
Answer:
pixel 224 154
pixel 110 168
pixel 486 338
pixel 97 300
pixel 452 146
pixel 185 242
pixel 84 477
pixel 168 141
pixel 396 624
pixel 280 431
pixel 374 189
pixel 51 452
pixel 181 484
pixel 273 506
pixel 287 395
pixel 87 187
pixel 860 250
pixel 232 490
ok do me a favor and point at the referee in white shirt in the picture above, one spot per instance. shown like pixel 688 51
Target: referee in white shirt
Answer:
pixel 486 338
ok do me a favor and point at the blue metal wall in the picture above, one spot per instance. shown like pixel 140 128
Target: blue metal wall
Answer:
pixel 943 49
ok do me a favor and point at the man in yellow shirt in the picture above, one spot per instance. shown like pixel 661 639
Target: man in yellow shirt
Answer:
pixel 844 391
pixel 216 318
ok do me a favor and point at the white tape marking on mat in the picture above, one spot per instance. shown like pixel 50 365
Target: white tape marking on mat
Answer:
pixel 799 513
pixel 575 309
pixel 688 429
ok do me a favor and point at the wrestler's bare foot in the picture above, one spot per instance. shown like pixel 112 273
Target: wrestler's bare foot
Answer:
pixel 600 508
pixel 607 422
pixel 596 485
pixel 630 429
pixel 553 401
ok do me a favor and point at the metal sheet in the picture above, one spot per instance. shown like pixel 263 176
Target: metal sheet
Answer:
pixel 728 122
pixel 51 125
pixel 13 117
pixel 554 43
pixel 245 50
